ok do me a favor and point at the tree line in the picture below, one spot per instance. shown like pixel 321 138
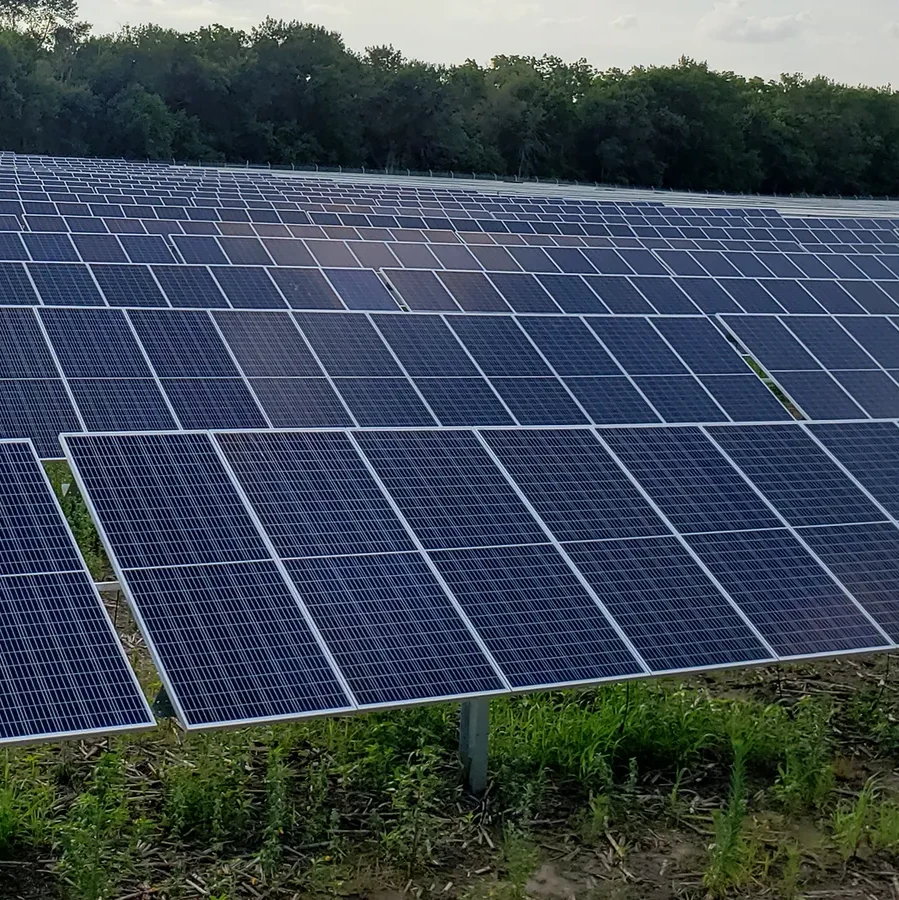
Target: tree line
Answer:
pixel 293 93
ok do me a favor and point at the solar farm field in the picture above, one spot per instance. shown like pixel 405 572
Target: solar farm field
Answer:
pixel 413 539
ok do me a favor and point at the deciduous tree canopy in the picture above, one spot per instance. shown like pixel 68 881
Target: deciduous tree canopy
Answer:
pixel 288 92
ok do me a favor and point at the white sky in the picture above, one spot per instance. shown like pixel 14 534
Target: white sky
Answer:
pixel 850 41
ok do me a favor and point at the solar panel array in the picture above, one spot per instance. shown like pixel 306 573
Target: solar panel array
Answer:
pixel 286 574
pixel 62 669
pixel 464 443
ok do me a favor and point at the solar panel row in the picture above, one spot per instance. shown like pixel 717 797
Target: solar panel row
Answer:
pixel 385 567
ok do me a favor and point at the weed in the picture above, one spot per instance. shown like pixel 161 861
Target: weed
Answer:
pixel 790 872
pixel 728 854
pixel 850 820
pixel 520 861
pixel 277 808
pixel 884 831
pixel 806 777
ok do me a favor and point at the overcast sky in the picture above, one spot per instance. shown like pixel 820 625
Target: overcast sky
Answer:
pixel 854 41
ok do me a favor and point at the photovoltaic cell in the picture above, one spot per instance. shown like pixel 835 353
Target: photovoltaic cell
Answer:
pixel 300 403
pixel 866 560
pixel 347 345
pixel 360 289
pixel 499 346
pixel 182 344
pixel 384 402
pixel 575 486
pixel 449 489
pixel 524 293
pixel 539 401
pixel 708 295
pixel 569 346
pixel 473 292
pixel 305 288
pixel 535 616
pixel 750 295
pixel 572 294
pixel 792 601
pixel 612 401
pixel 189 287
pixel 267 344
pixel 618 294
pixel 701 346
pixel 680 398
pixel 23 350
pixel 869 451
pixel 463 401
pixel 770 343
pixel 693 484
pixel 128 285
pixel 208 403
pixel 668 607
pixel 425 346
pixel 50 247
pixel 421 290
pixel 146 248
pixel 15 288
pixel 391 628
pixel 745 398
pixel 819 396
pixel 233 643
pixel 877 335
pixel 796 476
pixel 64 284
pixel 791 296
pixel 637 346
pixel 832 297
pixel 829 343
pixel 39 409
pixel 665 296
pixel 121 404
pixel 248 287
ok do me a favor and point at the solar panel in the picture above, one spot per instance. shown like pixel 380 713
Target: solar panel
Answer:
pixel 384 402
pixel 50 247
pixel 877 336
pixel 100 248
pixel 208 403
pixel 248 287
pixel 347 345
pixel 182 344
pixel 360 289
pixel 618 294
pixel 65 284
pixel 15 287
pixel 420 290
pixel 305 288
pixel 680 399
pixel 572 294
pixel 745 398
pixel 819 395
pixel 473 292
pixel 637 346
pixel 65 674
pixel 539 401
pixel 499 346
pixel 425 346
pixel 535 616
pixel 128 285
pixel 798 608
pixel 708 295
pixel 524 293
pixel 665 296
pixel 121 404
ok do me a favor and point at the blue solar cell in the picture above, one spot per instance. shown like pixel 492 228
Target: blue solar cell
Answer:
pixel 642 262
pixel 792 601
pixel 708 295
pixel 571 294
pixel 842 266
pixel 150 248
pixel 680 262
pixel 618 294
pixel 523 293
pixel 121 404
pixel 791 296
pixel 780 265
pixel 347 345
pixel 383 402
pixel 798 478
pixel 100 248
pixel 819 396
pixel 425 346
pixel 750 295
pixel 768 341
pixel 245 251
pixel 11 248
pixel 300 403
pixel 94 343
pixel 392 629
pixel 499 346
pixel 165 500
pixel 209 403
pixel 421 290
pixel 680 399
pixel 748 264
pixel 865 558
pixel 305 288
pixel 39 409
pixel 463 401
pixel 65 284
pixel 606 262
pixel 569 346
pixel 637 346
pixel 473 292
pixel 288 252
pixel 234 644
pixel 701 346
pixel 693 484
pixel 360 289
pixel 874 391
pixel 314 494
pixel 531 259
pixel 23 350
pixel 449 489
pixel 810 264
pixel 189 286
pixel 15 288
pixel 535 616
pixel 575 486
pixel 267 344
pixel 539 401
pixel 128 285
pixel 829 343
pixel 871 297
pixel 200 249
pixel 716 265
pixel 872 267
pixel 666 604
pixel 665 296
pixel 745 398
pixel 182 344
pixel 248 287
pixel 877 336
pixel 832 297
pixel 50 247
pixel 611 401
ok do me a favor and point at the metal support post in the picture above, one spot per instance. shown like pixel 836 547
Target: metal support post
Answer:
pixel 474 733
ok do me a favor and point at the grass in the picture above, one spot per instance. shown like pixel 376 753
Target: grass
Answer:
pixel 774 783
